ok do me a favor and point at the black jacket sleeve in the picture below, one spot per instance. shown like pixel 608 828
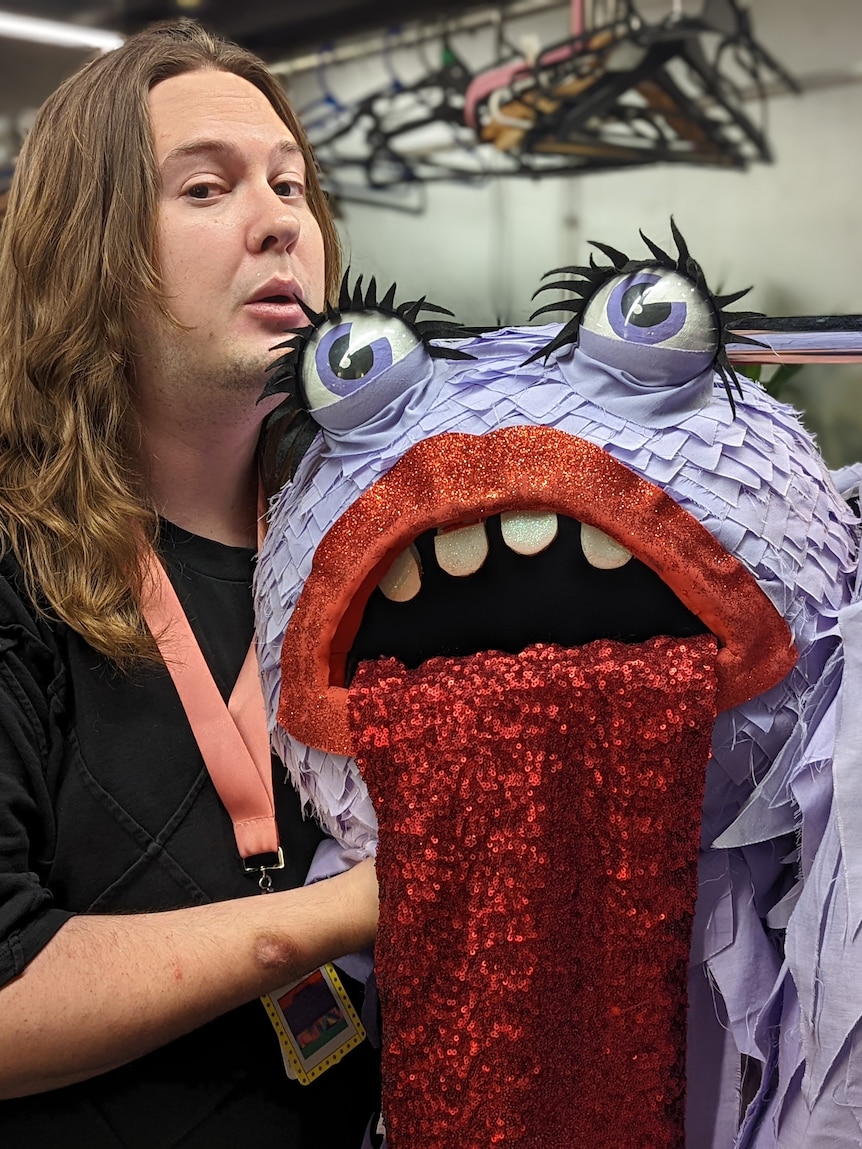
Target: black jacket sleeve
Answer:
pixel 30 736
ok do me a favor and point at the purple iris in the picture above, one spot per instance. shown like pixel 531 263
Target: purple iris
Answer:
pixel 343 377
pixel 652 322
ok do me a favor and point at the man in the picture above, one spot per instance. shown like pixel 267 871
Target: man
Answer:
pixel 164 223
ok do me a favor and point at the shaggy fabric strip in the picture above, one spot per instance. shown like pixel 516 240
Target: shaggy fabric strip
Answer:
pixel 539 824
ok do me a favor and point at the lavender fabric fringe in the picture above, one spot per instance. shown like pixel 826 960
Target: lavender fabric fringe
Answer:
pixel 782 784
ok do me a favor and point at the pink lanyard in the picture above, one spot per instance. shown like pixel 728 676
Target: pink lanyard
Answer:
pixel 232 738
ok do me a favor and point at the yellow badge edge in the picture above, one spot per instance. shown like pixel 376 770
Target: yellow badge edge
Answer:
pixel 304 1076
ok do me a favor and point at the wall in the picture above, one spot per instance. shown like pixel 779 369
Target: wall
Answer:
pixel 791 228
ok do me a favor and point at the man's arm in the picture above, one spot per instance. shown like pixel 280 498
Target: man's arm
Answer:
pixel 106 990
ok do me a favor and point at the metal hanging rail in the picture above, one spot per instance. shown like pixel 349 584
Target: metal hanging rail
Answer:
pixel 414 34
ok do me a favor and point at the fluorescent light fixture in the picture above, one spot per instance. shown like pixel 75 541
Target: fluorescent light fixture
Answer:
pixel 54 32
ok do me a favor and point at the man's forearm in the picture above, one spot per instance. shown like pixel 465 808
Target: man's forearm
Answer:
pixel 106 990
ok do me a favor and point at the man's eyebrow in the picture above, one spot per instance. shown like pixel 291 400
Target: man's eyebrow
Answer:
pixel 287 149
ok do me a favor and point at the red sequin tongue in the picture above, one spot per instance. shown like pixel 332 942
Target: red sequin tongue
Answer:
pixel 539 827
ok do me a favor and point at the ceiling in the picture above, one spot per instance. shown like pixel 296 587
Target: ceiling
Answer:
pixel 274 29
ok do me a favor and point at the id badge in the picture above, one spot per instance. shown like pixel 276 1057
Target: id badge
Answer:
pixel 315 1022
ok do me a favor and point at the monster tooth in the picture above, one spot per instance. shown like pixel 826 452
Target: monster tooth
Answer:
pixel 528 532
pixel 601 551
pixel 403 580
pixel 462 550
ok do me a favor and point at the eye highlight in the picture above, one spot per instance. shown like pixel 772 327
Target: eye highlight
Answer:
pixel 350 353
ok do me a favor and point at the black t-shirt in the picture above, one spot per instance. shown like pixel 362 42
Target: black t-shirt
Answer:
pixel 106 807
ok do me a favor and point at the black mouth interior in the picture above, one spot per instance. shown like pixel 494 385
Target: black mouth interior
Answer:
pixel 514 600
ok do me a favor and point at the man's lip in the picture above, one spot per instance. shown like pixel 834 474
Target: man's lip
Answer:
pixel 286 289
pixel 282 315
pixel 448 477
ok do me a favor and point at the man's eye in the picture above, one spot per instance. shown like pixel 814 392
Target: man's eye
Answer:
pixel 287 188
pixel 200 191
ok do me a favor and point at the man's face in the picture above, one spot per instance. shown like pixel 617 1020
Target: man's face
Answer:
pixel 237 242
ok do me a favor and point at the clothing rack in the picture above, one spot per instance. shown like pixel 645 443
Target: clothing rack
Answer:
pixel 622 93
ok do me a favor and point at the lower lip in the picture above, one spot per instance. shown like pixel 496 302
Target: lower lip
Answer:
pixel 279 316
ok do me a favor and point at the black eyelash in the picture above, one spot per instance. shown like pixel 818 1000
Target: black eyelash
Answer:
pixel 590 279
pixel 287 369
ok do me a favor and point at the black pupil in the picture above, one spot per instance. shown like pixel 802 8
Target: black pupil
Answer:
pixel 359 363
pixel 650 315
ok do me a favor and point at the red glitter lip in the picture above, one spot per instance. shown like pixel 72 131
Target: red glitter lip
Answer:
pixel 455 477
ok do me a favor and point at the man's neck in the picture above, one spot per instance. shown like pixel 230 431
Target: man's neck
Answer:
pixel 206 482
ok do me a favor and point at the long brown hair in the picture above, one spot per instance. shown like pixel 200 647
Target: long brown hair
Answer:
pixel 77 258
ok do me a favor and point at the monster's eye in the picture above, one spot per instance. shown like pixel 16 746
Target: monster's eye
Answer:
pixel 653 308
pixel 352 352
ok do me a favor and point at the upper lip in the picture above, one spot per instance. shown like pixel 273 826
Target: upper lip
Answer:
pixel 289 289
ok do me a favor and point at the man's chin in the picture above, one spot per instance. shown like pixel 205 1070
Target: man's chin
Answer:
pixel 244 373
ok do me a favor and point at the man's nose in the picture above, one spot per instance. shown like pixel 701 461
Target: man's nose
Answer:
pixel 275 224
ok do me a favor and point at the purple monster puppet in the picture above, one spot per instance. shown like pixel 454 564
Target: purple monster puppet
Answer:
pixel 555 619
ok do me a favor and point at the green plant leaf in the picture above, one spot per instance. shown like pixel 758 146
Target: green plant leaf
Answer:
pixel 782 375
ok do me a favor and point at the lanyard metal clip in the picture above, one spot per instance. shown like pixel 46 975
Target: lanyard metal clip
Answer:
pixel 265 880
